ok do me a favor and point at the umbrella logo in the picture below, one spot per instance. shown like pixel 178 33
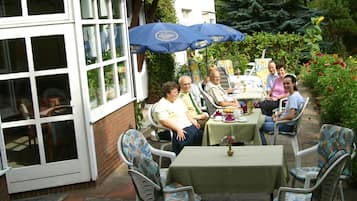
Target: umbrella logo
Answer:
pixel 166 35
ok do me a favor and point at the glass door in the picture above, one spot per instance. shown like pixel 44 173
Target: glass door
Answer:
pixel 40 107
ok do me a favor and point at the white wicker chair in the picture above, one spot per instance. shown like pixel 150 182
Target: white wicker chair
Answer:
pixel 292 135
pixel 159 129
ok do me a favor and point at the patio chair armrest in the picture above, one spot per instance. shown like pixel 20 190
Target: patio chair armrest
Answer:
pixel 354 148
pixel 2 172
pixel 283 190
pixel 307 151
pixel 284 121
pixel 189 189
pixel 309 177
pixel 163 153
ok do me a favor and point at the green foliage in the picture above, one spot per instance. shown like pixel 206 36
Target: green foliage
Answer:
pixel 341 25
pixel 335 81
pixel 283 48
pixel 160 70
pixel 166 11
pixel 312 36
pixel 160 66
pixel 259 15
pixel 139 116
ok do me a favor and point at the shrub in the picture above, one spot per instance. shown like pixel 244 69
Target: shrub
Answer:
pixel 335 80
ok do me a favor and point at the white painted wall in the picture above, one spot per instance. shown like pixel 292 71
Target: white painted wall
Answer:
pixel 191 12
pixel 141 79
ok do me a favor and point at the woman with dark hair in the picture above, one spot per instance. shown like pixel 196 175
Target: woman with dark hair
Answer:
pixel 293 106
pixel 276 93
pixel 172 113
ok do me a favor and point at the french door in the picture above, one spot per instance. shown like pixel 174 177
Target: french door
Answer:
pixel 42 127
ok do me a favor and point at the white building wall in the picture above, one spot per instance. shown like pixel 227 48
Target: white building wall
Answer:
pixel 190 12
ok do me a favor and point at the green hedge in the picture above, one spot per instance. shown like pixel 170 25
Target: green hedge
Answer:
pixel 282 47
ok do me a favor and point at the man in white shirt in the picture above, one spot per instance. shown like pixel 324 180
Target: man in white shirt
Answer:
pixel 273 74
pixel 219 95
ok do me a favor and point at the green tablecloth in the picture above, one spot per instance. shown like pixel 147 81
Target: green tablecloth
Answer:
pixel 246 132
pixel 209 170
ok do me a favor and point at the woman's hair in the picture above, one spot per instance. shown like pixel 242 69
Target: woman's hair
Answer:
pixel 168 86
pixel 293 80
pixel 278 66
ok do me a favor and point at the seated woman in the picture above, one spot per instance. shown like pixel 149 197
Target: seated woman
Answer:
pixel 295 102
pixel 172 113
pixel 275 94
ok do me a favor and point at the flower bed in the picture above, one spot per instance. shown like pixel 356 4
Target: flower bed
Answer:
pixel 334 81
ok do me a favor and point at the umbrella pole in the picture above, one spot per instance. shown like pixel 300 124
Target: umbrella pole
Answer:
pixel 160 71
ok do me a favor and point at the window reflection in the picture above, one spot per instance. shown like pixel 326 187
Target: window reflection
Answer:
pixel 15 100
pixel 90 45
pixel 49 52
pixel 109 79
pixel 21 146
pixel 87 9
pixel 59 140
pixel 123 82
pixel 103 9
pixel 53 91
pixel 38 7
pixel 94 88
pixel 119 47
pixel 109 82
pixel 13 57
pixel 105 41
pixel 116 9
pixel 10 8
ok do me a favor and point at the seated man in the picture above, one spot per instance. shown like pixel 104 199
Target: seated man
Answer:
pixel 192 106
pixel 219 95
pixel 271 76
pixel 172 113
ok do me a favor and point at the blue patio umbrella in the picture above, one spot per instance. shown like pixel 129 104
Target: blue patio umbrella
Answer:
pixel 165 38
pixel 218 32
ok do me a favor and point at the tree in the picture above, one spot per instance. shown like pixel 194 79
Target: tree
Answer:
pixel 340 30
pixel 264 15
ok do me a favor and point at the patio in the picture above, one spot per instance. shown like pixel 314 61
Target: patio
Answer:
pixel 118 187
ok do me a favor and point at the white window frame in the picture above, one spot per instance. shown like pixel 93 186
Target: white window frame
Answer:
pixel 44 18
pixel 120 101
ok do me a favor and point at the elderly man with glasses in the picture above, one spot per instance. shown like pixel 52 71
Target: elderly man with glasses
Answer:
pixel 188 98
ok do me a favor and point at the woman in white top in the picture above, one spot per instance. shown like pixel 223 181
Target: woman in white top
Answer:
pixel 172 113
pixel 293 106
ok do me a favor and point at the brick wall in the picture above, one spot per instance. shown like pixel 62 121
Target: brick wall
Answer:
pixel 106 134
pixel 4 196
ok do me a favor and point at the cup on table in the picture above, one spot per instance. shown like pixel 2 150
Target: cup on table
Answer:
pixel 237 113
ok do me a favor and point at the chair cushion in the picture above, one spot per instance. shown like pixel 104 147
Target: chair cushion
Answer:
pixel 179 196
pixel 333 138
pixel 147 167
pixel 135 144
pixel 296 197
pixel 300 173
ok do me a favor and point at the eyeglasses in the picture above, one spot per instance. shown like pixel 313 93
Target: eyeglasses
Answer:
pixel 185 84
